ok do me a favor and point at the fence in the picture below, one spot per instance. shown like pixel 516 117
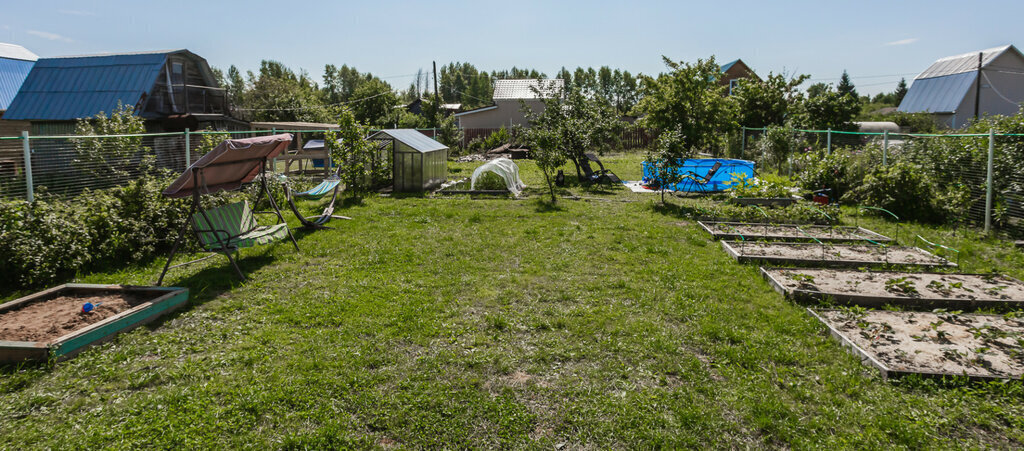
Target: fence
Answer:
pixel 631 137
pixel 986 168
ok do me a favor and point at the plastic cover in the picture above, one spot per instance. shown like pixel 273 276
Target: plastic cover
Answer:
pixel 505 169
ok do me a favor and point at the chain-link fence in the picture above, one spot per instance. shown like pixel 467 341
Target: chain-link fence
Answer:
pixel 979 174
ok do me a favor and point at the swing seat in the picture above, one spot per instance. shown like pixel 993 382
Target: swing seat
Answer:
pixel 232 227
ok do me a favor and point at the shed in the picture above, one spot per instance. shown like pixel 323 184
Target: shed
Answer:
pixel 418 163
pixel 949 87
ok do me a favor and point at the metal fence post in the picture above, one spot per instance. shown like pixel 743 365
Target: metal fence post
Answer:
pixel 828 142
pixel 188 149
pixel 988 179
pixel 885 147
pixel 26 149
pixel 743 140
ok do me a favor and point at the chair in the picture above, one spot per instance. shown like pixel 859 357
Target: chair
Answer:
pixel 700 181
pixel 599 175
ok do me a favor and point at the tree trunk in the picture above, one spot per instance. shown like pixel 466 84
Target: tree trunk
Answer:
pixel 551 187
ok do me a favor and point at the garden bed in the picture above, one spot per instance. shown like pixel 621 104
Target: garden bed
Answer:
pixel 768 201
pixel 880 288
pixel 832 255
pixel 789 232
pixel 932 344
pixel 53 320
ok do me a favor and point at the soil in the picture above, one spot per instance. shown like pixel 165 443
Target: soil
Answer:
pixel 48 319
pixel 754 231
pixel 902 285
pixel 936 343
pixel 836 253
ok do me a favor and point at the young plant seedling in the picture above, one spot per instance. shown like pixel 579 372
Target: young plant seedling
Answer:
pixel 901 285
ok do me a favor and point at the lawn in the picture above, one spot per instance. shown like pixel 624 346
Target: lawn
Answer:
pixel 604 321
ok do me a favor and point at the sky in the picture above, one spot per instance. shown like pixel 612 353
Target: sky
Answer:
pixel 877 42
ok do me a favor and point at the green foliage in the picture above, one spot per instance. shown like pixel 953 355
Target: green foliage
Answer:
pixel 826 109
pixel 775 146
pixel 761 103
pixel 118 156
pixel 374 102
pixel 463 83
pixel 840 171
pixel 210 141
pixel 49 240
pixel 280 94
pixel 449 133
pixel 690 100
pixel 761 188
pixel 574 123
pixel 901 92
pixel 902 188
pixel 845 86
pixel 361 164
pixel 664 158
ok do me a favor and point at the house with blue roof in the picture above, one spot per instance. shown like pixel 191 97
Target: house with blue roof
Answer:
pixel 172 90
pixel 15 63
pixel 733 72
pixel 958 88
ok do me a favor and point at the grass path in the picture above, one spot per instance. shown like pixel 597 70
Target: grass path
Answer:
pixel 454 322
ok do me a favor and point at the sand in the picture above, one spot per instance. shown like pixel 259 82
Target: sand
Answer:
pixel 46 320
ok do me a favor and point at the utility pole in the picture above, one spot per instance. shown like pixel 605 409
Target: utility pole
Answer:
pixel 437 97
pixel 977 90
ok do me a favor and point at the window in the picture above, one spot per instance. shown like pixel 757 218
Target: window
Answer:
pixel 177 73
pixel 733 84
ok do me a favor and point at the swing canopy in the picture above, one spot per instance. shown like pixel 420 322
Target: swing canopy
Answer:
pixel 228 166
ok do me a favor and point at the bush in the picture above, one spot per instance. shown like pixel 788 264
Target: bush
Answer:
pixel 490 181
pixel 50 240
pixel 902 188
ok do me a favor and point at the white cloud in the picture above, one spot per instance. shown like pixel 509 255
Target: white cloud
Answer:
pixel 902 41
pixel 49 36
pixel 75 12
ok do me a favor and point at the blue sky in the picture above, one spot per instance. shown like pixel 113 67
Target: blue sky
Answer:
pixel 876 41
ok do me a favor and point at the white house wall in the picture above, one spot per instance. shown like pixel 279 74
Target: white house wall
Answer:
pixel 997 76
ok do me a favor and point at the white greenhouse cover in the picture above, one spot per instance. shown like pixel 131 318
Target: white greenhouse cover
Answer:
pixel 505 169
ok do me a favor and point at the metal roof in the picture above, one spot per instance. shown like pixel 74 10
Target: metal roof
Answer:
pixel 938 94
pixel 967 62
pixel 68 88
pixel 727 66
pixel 12 75
pixel 412 138
pixel 523 89
pixel 16 52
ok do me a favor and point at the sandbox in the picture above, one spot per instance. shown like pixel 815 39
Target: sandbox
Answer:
pixel 53 321
pixel 931 344
pixel 789 232
pixel 832 255
pixel 880 288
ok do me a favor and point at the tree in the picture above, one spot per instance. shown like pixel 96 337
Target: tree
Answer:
pixel 827 110
pixel 359 165
pixel 690 100
pixel 373 102
pixel 901 91
pixel 845 86
pixel 449 132
pixel 664 158
pixel 817 89
pixel 568 127
pixel 761 103
pixel 279 94
pixel 121 154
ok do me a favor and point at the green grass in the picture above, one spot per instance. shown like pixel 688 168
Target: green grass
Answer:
pixel 457 322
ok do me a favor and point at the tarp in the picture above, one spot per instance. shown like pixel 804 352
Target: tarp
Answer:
pixel 505 169
pixel 229 165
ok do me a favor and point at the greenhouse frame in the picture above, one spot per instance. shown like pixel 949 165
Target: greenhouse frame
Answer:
pixel 418 162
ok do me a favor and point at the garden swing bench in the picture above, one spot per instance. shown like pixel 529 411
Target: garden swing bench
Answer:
pixel 228 228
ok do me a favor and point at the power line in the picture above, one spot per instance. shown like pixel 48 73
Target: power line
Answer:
pixel 863 77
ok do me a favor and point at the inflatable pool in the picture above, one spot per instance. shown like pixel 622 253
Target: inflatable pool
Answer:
pixel 719 182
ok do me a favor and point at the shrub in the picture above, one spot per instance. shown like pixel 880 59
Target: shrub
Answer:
pixel 902 188
pixel 49 240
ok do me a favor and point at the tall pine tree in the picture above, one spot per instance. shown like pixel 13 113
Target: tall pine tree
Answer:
pixel 901 91
pixel 846 86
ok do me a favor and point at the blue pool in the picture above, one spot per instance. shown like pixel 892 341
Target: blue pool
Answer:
pixel 730 169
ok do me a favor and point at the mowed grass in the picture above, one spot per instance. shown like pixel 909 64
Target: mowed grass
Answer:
pixel 494 323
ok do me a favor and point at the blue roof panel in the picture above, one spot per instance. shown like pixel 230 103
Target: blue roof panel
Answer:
pixel 70 88
pixel 727 66
pixel 12 75
pixel 939 94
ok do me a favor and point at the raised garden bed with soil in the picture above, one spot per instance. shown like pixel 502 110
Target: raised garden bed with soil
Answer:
pixel 931 344
pixel 831 255
pixel 789 232
pixel 880 288
pixel 53 321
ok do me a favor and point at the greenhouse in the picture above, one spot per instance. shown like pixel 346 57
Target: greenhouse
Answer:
pixel 418 162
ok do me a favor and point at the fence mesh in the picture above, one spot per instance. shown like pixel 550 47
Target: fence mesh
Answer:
pixel 957 164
